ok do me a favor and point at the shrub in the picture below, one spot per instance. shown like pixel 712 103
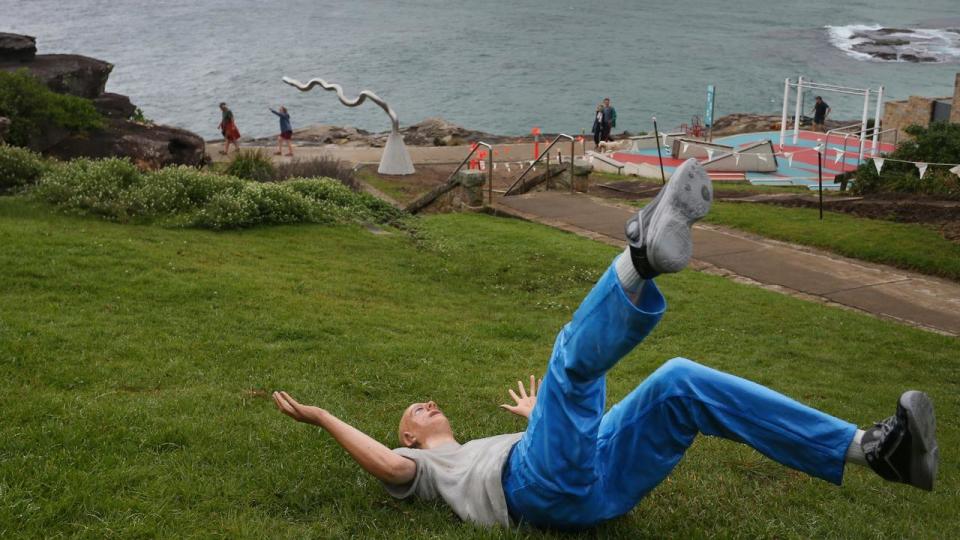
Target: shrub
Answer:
pixel 939 143
pixel 100 186
pixel 19 167
pixel 322 167
pixel 173 190
pixel 31 107
pixel 115 189
pixel 252 165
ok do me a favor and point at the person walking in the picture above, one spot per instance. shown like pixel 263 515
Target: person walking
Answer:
pixel 820 112
pixel 609 119
pixel 598 126
pixel 286 131
pixel 228 127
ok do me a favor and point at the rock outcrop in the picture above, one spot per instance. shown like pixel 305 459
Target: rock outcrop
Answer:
pixel 17 48
pixel 733 124
pixel 72 74
pixel 146 144
pixel 150 147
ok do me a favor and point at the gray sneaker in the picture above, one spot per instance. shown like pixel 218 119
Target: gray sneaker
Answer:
pixel 659 235
pixel 903 448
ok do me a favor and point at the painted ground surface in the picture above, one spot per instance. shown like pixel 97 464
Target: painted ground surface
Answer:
pixel 796 160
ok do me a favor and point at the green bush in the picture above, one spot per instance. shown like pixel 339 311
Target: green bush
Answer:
pixel 19 167
pixel 939 143
pixel 116 189
pixel 100 186
pixel 31 107
pixel 252 165
pixel 174 190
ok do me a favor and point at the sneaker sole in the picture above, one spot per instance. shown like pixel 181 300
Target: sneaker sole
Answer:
pixel 922 426
pixel 686 199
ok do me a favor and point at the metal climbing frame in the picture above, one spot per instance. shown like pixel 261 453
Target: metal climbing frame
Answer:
pixel 801 84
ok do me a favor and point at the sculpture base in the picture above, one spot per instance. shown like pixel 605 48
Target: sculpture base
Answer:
pixel 396 158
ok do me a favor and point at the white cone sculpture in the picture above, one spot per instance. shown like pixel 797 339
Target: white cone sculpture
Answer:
pixel 395 158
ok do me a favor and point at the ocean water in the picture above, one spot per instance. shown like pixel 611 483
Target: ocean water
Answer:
pixel 501 66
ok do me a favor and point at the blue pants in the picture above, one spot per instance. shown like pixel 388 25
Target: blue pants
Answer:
pixel 576 466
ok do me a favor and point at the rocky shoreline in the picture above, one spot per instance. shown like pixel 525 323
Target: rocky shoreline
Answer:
pixel 146 144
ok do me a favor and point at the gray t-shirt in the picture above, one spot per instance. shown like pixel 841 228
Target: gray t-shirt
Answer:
pixel 467 477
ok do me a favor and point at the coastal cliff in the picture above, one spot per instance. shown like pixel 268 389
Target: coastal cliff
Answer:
pixel 148 145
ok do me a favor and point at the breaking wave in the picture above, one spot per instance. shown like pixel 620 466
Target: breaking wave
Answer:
pixel 885 44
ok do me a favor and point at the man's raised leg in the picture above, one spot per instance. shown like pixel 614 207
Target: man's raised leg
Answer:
pixel 555 462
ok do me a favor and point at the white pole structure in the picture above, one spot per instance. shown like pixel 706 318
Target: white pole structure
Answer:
pixel 863 123
pixel 798 110
pixel 783 117
pixel 878 114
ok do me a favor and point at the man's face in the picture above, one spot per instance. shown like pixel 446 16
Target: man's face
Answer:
pixel 421 421
pixel 819 100
pixel 606 102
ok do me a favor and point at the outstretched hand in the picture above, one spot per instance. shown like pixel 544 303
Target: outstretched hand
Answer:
pixel 307 414
pixel 523 403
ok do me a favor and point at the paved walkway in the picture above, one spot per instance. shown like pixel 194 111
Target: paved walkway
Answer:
pixel 885 292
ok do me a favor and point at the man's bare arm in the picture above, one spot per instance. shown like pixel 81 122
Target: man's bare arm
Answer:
pixel 374 457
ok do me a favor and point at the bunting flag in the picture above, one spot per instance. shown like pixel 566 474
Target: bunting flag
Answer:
pixel 508 166
pixel 483 165
pixel 494 165
pixel 878 163
pixel 709 153
pixel 789 156
pixel 839 155
pixel 736 157
pixel 686 146
pixel 922 167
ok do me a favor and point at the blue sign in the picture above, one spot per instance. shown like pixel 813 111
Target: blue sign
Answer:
pixel 708 117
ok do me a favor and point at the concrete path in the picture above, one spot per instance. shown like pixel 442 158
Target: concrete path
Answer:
pixel 914 299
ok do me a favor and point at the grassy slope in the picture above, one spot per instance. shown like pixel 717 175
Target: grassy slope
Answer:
pixel 136 360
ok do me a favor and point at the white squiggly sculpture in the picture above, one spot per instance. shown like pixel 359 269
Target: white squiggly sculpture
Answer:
pixel 395 159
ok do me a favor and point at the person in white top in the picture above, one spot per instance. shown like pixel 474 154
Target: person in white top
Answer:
pixel 575 465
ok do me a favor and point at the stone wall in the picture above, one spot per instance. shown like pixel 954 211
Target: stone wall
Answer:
pixel 955 109
pixel 918 110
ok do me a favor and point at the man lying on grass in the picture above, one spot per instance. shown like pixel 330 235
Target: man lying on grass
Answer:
pixel 575 466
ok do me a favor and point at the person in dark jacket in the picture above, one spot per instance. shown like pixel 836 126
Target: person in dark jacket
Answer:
pixel 286 131
pixel 598 126
pixel 609 119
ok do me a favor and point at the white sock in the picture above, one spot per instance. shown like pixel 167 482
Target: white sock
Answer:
pixel 630 280
pixel 855 450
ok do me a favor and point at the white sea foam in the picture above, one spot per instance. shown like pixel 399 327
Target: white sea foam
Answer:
pixel 932 45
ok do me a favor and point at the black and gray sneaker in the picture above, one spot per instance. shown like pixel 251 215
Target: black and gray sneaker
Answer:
pixel 903 448
pixel 659 235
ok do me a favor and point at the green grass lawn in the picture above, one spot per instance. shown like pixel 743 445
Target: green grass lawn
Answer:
pixel 909 246
pixel 136 364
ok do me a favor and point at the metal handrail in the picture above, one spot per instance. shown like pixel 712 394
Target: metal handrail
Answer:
pixel 430 196
pixel 866 133
pixel 544 153
pixel 473 149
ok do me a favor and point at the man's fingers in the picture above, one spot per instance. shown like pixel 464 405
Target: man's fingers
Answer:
pixel 514 395
pixel 523 391
pixel 533 385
